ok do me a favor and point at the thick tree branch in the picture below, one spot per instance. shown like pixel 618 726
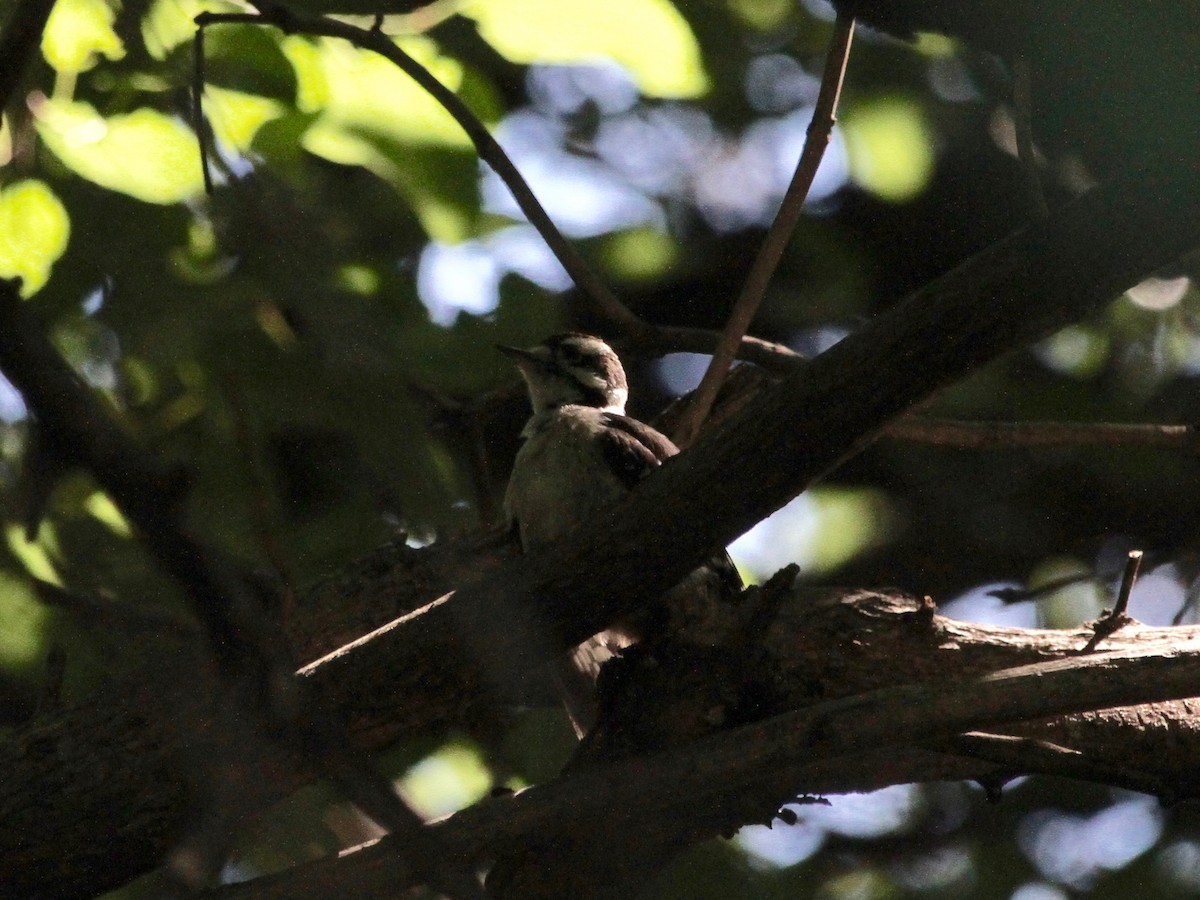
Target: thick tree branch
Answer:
pixel 438 663
pixel 779 443
pixel 792 752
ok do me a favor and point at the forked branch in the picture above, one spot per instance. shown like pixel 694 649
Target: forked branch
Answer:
pixel 631 328
pixel 780 232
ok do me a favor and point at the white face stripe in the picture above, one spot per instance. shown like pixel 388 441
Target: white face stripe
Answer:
pixel 587 345
pixel 575 369
pixel 588 377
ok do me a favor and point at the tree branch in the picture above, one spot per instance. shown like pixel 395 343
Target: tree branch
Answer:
pixel 631 328
pixel 791 753
pixel 1003 435
pixel 439 663
pixel 783 440
pixel 778 235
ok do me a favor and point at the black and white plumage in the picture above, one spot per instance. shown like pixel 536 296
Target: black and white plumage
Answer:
pixel 580 452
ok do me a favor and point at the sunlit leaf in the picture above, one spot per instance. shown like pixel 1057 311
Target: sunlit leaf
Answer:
pixel 24 621
pixel 447 780
pixel 1072 603
pixel 640 254
pixel 439 183
pixel 935 45
pixel 5 142
pixel 763 15
pixel 822 529
pixel 33 554
pixel 358 279
pixel 100 505
pixel 77 33
pixel 240 56
pixel 235 117
pixel 169 23
pixel 890 147
pixel 34 227
pixel 851 520
pixel 648 37
pixel 145 154
pixel 355 89
pixel 139 380
pixel 1080 351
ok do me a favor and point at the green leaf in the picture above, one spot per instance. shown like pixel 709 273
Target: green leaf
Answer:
pixel 440 184
pixel 356 90
pixel 245 57
pixel 35 556
pixel 34 228
pixel 640 254
pixel 77 32
pixel 25 619
pixel 453 777
pixel 889 145
pixel 235 117
pixel 145 154
pixel 169 23
pixel 648 37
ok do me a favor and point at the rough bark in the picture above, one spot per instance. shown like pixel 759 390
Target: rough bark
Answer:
pixel 866 689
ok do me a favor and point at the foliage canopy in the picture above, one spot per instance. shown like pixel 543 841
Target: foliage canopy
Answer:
pixel 313 342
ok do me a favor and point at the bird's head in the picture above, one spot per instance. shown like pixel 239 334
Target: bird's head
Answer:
pixel 573 369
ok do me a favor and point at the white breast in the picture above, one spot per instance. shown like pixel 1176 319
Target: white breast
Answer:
pixel 559 479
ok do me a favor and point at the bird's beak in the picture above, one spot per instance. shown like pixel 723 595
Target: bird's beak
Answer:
pixel 534 356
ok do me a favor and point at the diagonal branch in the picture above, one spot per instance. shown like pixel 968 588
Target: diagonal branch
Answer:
pixel 780 232
pixel 787 437
pixel 635 331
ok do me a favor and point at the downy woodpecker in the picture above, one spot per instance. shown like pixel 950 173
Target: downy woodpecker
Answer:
pixel 580 452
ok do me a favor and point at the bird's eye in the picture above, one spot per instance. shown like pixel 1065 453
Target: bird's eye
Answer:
pixel 570 354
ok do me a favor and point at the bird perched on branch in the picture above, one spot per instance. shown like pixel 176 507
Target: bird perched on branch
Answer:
pixel 580 453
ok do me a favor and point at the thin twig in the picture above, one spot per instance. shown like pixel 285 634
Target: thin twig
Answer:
pixel 198 120
pixel 1001 435
pixel 1030 756
pixel 631 328
pixel 1023 123
pixel 610 307
pixel 780 232
pixel 659 341
pixel 1116 617
pixel 1020 595
pixel 1132 564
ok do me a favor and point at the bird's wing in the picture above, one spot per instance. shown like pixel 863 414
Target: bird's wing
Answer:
pixel 631 448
